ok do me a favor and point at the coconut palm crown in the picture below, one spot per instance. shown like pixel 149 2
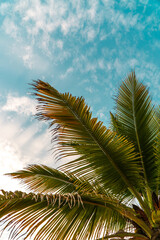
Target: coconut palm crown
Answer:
pixel 108 186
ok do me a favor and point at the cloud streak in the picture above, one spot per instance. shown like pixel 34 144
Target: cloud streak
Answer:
pixel 21 105
pixel 36 24
pixel 23 139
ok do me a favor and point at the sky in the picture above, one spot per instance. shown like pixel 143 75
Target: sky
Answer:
pixel 84 47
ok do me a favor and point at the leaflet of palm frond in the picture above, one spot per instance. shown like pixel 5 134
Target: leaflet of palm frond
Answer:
pixel 115 124
pixel 103 155
pixel 157 112
pixel 155 201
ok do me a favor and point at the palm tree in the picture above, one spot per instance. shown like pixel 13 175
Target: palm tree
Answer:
pixel 109 190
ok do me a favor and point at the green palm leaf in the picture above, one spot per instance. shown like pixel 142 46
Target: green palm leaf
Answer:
pixel 67 216
pixel 135 119
pixel 44 179
pixel 103 155
pixel 58 216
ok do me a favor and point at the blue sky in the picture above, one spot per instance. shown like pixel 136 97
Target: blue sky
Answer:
pixel 85 47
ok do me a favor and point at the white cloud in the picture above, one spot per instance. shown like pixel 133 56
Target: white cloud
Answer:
pixel 68 71
pixel 31 59
pixel 102 114
pixel 89 89
pixel 101 63
pixel 28 57
pixel 83 82
pixel 47 17
pixel 11 160
pixel 119 66
pixel 128 4
pixel 10 27
pixel 22 142
pixel 92 11
pixel 133 63
pixel 144 1
pixel 35 24
pixel 21 105
pixel 60 44
pixel 91 34
pixel 125 20
pixel 103 35
pixel 85 64
pixel 4 7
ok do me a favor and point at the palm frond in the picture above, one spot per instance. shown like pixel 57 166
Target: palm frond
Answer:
pixel 134 119
pixel 103 155
pixel 67 216
pixel 44 179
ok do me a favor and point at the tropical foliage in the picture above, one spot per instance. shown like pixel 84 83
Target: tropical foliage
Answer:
pixel 108 186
